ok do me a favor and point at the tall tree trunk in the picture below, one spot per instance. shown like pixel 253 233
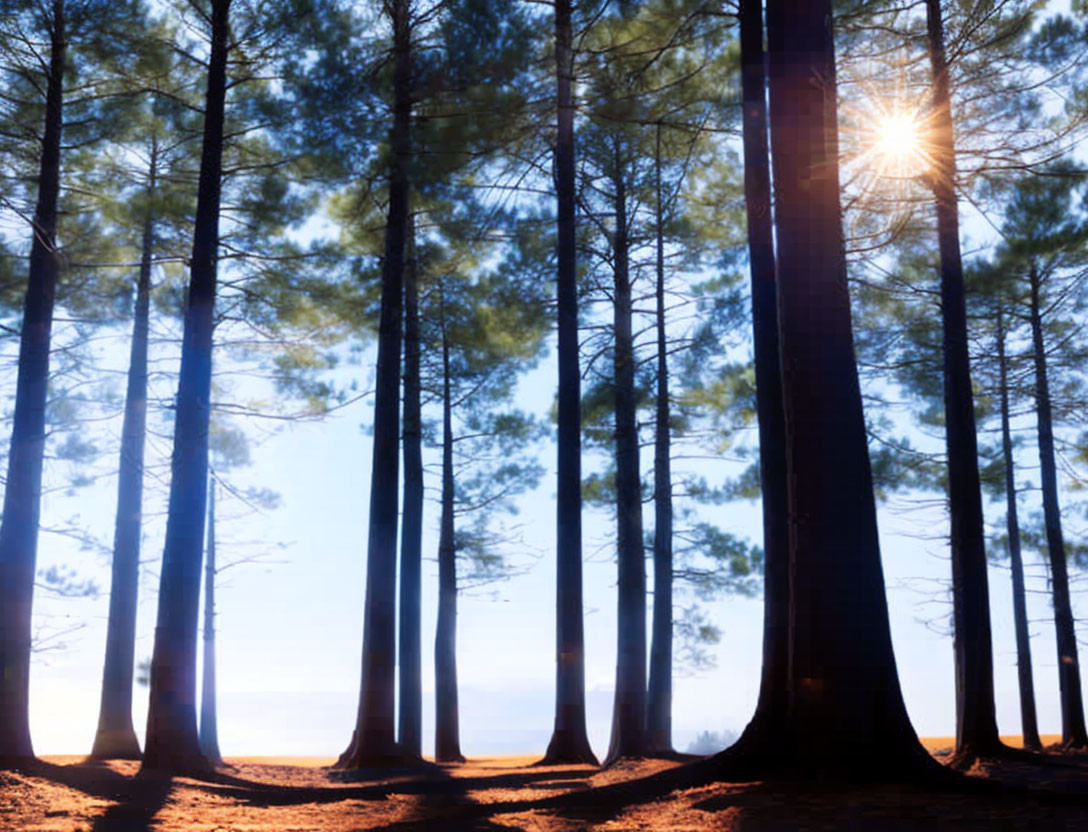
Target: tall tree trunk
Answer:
pixel 846 713
pixel 976 722
pixel 762 733
pixel 410 715
pixel 629 707
pixel 569 743
pixel 374 740
pixel 1073 729
pixel 116 736
pixel 1028 725
pixel 659 695
pixel 447 738
pixel 22 492
pixel 172 740
pixel 209 727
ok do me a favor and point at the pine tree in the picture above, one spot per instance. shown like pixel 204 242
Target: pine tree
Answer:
pixel 569 742
pixel 172 741
pixel 46 44
pixel 771 707
pixel 845 712
pixel 1044 252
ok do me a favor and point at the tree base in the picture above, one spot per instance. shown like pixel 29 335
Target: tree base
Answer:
pixel 566 748
pixel 355 758
pixel 120 744
pixel 17 762
pixel 965 758
pixel 182 764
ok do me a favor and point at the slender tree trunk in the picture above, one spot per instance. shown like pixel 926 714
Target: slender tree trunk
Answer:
pixel 659 696
pixel 1028 725
pixel 374 740
pixel 629 708
pixel 172 739
pixel 1073 729
pixel 846 714
pixel 762 733
pixel 116 736
pixel 447 738
pixel 976 722
pixel 410 715
pixel 209 728
pixel 569 743
pixel 22 492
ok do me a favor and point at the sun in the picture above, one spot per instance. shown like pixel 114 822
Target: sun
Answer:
pixel 897 136
pixel 897 145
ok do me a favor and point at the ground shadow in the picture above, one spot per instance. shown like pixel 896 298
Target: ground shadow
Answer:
pixel 136 800
pixel 146 797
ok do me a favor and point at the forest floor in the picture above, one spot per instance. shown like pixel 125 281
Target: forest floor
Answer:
pixel 504 794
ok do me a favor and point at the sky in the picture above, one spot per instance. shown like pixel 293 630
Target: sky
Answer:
pixel 290 628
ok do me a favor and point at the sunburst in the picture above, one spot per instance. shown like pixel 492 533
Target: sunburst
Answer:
pixel 897 144
pixel 888 160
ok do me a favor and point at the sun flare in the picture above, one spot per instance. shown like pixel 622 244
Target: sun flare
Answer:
pixel 897 136
pixel 898 146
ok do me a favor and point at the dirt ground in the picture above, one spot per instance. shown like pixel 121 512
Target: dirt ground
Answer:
pixel 67 794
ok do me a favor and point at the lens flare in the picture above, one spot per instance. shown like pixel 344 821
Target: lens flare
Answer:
pixel 897 137
pixel 897 145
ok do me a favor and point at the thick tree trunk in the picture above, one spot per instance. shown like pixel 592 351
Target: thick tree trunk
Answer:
pixel 447 737
pixel 659 695
pixel 22 491
pixel 1029 728
pixel 116 736
pixel 410 714
pixel 172 739
pixel 1073 729
pixel 845 713
pixel 209 727
pixel 629 707
pixel 569 743
pixel 763 732
pixel 374 740
pixel 976 722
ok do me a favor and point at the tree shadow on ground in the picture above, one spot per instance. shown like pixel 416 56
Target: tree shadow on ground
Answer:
pixel 1016 788
pixel 434 783
pixel 448 802
pixel 136 813
pixel 136 800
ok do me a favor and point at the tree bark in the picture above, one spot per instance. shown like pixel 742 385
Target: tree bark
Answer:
pixel 374 740
pixel 209 727
pixel 976 722
pixel 447 739
pixel 1029 728
pixel 659 695
pixel 22 491
pixel 629 707
pixel 172 740
pixel 763 731
pixel 410 714
pixel 569 743
pixel 116 736
pixel 1073 728
pixel 845 711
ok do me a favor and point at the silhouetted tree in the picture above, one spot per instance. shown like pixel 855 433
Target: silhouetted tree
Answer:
pixel 172 740
pixel 569 743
